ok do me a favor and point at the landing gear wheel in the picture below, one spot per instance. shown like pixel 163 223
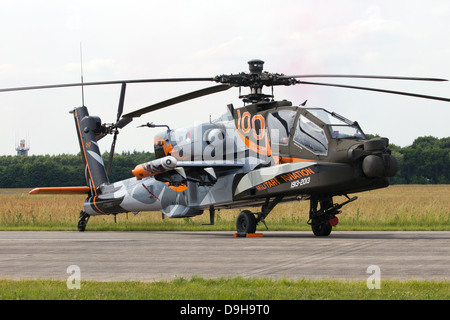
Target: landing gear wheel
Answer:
pixel 246 222
pixel 84 218
pixel 324 219
pixel 322 229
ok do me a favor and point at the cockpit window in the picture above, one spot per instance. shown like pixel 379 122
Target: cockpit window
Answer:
pixel 340 127
pixel 280 124
pixel 328 117
pixel 311 136
pixel 343 132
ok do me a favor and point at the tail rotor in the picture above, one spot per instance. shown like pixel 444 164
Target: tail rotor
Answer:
pixel 120 123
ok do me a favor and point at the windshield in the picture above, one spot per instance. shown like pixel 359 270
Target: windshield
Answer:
pixel 311 136
pixel 280 124
pixel 340 127
pixel 342 132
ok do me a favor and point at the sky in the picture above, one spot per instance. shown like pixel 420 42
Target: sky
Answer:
pixel 121 40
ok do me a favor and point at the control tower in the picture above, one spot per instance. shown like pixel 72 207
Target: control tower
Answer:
pixel 22 148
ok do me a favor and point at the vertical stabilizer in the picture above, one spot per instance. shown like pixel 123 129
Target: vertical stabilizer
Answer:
pixel 94 168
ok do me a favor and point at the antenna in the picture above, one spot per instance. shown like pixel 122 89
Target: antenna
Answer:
pixel 82 82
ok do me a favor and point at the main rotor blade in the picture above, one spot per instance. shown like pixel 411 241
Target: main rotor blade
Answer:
pixel 376 90
pixel 105 83
pixel 182 98
pixel 361 77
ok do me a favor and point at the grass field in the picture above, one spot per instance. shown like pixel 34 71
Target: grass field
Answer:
pixel 398 207
pixel 198 288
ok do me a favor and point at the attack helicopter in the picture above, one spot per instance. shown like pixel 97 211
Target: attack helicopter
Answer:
pixel 260 154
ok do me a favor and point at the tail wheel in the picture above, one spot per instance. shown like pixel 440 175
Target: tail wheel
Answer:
pixel 246 222
pixel 84 218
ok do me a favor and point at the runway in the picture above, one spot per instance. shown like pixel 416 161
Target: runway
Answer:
pixel 151 256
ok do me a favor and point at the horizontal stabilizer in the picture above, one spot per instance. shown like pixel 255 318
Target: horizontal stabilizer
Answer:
pixel 60 190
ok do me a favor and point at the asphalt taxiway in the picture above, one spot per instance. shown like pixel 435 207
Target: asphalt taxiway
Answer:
pixel 165 255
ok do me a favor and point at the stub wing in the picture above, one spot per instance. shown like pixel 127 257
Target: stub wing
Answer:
pixel 169 169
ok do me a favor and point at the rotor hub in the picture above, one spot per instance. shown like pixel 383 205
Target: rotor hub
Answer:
pixel 256 79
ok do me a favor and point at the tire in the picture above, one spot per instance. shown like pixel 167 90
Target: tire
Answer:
pixel 82 225
pixel 84 218
pixel 246 222
pixel 321 230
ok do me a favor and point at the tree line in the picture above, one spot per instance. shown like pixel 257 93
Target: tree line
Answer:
pixel 426 161
pixel 62 170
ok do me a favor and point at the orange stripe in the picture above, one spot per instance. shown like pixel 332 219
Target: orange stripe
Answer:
pixel 291 159
pixel 248 235
pixel 281 160
pixel 255 147
pixel 60 190
pixel 84 151
pixel 93 199
pixel 167 149
pixel 180 188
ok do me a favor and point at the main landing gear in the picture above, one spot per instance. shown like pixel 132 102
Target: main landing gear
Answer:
pixel 322 220
pixel 247 221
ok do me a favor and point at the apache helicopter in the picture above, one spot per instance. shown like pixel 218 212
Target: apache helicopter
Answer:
pixel 257 155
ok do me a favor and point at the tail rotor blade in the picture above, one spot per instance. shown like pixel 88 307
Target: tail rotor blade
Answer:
pixel 111 153
pixel 123 122
pixel 121 101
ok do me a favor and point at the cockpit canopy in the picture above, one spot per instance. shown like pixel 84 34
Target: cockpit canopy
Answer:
pixel 308 132
pixel 339 127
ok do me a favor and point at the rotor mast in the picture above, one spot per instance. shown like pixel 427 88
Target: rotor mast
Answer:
pixel 256 68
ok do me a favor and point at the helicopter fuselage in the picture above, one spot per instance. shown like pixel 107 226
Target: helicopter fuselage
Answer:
pixel 249 155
